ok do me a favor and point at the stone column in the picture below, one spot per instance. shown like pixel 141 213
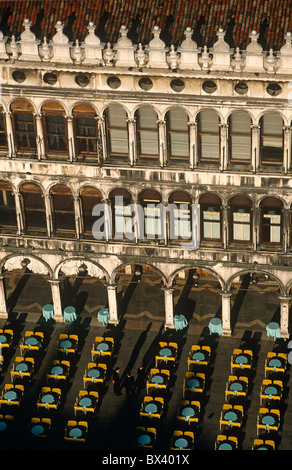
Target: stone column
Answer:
pixel 112 303
pixel 71 142
pixel 162 142
pixel 284 315
pixel 48 207
pixel 193 144
pixel 226 311
pixel 225 212
pixel 10 135
pixel 287 149
pixel 77 211
pixel 102 133
pixel 132 141
pixel 56 297
pixel 223 146
pixel 19 215
pixel 3 306
pixel 255 146
pixel 168 303
pixel 40 136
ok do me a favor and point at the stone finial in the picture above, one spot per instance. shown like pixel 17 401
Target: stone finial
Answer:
pixel 270 62
pixel 60 45
pixel 141 56
pixel 254 57
pixel 14 48
pixel 45 51
pixel 173 58
pixel 285 55
pixel 125 56
pixel 205 58
pixel 92 47
pixel 221 53
pixel 237 60
pixel 108 55
pixel 157 51
pixel 3 53
pixel 188 52
pixel 28 43
pixel 77 52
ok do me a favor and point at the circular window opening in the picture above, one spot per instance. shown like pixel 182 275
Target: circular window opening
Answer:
pixel 82 80
pixel 145 83
pixel 274 89
pixel 177 85
pixel 50 78
pixel 114 82
pixel 241 88
pixel 209 86
pixel 18 76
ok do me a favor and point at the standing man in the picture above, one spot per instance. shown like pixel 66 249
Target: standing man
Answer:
pixel 117 381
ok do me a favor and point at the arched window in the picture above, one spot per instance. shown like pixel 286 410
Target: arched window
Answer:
pixel 239 129
pixel 33 208
pixel 63 211
pixel 154 227
pixel 89 197
pixel 271 221
pixel 240 219
pixel 116 131
pixel 147 133
pixel 208 136
pixel 55 129
pixel 177 134
pixel 180 215
pixel 3 133
pixel 210 205
pixel 8 221
pixel 86 132
pixel 24 126
pixel 271 145
pixel 120 200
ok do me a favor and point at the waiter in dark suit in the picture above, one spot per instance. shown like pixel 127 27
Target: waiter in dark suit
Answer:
pixel 117 381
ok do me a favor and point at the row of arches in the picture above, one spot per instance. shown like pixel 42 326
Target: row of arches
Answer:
pixel 144 135
pixel 60 212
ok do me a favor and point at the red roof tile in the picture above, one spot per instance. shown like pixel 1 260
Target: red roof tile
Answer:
pixel 212 14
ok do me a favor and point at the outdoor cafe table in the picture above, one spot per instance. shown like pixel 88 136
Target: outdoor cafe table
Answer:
pixel 10 395
pixel 3 425
pixel 215 326
pixel 32 341
pixel 93 373
pixel 75 432
pixel 37 429
pixel 225 446
pixel 48 398
pixel 236 387
pixel 181 443
pixel 230 416
pixel 193 384
pixel 198 356
pixel 165 352
pixel 268 420
pixel 66 344
pixel 275 363
pixel 85 402
pixel 188 412
pixel 150 408
pixel 271 391
pixel 157 379
pixel 103 315
pixel 273 329
pixel 48 311
pixel 180 322
pixel 144 439
pixel 69 314
pixel 102 347
pixel 3 338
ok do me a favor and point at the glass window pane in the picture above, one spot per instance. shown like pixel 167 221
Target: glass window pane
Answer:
pixel 210 147
pixel 179 145
pixel 209 122
pixel 118 140
pixel 240 123
pixel 116 117
pixel 240 147
pixel 147 118
pixel 178 120
pixel 148 143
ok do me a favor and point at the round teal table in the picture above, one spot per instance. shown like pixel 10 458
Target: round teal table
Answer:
pixel 48 311
pixel 3 339
pixel 93 374
pixel 165 352
pixel 144 439
pixel 270 390
pixel 32 341
pixel 273 330
pixel 102 347
pixel 103 315
pixel 48 399
pixel 151 408
pixel 21 367
pixel 66 344
pixel 180 322
pixel 85 402
pixel 188 412
pixel 57 370
pixel 11 395
pixel 75 432
pixel 3 426
pixel 193 383
pixel 215 326
pixel 69 314
pixel 225 446
pixel 198 356
pixel 275 363
pixel 181 443
pixel 157 380
pixel 37 429
pixel 236 387
pixel 268 420
pixel 230 416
